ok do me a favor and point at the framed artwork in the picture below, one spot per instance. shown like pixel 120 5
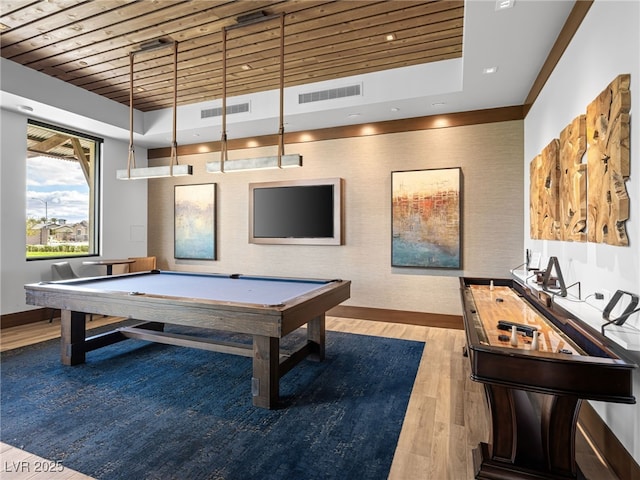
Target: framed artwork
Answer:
pixel 425 218
pixel 195 221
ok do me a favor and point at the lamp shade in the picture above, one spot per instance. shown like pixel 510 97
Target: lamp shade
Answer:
pixel 259 163
pixel 154 172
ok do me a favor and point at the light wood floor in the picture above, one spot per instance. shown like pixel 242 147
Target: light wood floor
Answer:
pixel 446 416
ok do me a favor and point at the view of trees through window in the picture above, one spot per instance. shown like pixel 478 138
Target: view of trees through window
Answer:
pixel 62 185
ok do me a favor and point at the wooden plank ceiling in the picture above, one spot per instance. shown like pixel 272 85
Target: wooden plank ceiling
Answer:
pixel 87 43
pixel 44 142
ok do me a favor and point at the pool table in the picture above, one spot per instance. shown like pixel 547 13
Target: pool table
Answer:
pixel 268 308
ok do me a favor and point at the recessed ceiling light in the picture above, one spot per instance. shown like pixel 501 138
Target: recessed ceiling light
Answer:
pixel 140 89
pixel 3 27
pixel 82 63
pixel 503 4
pixel 395 109
pixel 390 37
pixel 246 66
pixel 25 108
pixel 354 115
pixel 438 104
pixel 489 70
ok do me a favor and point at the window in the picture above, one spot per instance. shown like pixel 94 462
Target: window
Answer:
pixel 62 192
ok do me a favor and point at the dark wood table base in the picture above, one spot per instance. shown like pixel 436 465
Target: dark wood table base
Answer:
pixel 488 469
pixel 269 363
pixel 533 436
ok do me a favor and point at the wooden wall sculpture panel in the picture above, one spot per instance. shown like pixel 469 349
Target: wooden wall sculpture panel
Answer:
pixel 609 163
pixel 573 181
pixel 535 223
pixel 544 192
pixel 573 201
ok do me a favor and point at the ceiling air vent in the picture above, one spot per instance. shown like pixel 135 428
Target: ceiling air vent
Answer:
pixel 231 109
pixel 342 92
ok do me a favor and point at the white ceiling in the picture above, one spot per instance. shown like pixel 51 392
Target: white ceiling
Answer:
pixel 515 40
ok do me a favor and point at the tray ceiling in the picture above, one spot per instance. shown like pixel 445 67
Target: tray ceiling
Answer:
pixel 87 43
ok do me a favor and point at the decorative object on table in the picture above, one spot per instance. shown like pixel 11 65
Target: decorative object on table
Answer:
pixel 195 221
pixel 553 279
pixel 426 218
pixel 616 302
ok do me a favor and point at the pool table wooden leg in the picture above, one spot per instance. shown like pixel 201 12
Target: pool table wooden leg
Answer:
pixel 73 331
pixel 265 384
pixel 316 338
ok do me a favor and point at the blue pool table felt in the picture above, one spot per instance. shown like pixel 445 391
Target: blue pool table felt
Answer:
pixel 243 289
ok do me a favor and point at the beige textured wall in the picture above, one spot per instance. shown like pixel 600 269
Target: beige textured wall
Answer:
pixel 491 158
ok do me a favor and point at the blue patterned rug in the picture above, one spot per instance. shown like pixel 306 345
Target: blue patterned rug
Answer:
pixel 137 410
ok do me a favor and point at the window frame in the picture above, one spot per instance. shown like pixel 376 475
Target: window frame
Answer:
pixel 95 196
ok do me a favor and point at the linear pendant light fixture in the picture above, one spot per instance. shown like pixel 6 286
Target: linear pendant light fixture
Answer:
pixel 279 161
pixel 174 169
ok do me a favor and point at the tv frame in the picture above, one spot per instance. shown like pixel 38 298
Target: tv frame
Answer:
pixel 338 221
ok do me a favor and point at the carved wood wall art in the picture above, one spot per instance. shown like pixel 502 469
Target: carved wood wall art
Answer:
pixel 535 223
pixel 548 191
pixel 609 163
pixel 573 181
pixel 574 201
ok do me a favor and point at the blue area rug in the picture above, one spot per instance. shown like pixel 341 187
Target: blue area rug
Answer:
pixel 137 410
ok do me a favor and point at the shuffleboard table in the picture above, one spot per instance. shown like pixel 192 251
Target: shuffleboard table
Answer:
pixel 268 308
pixel 534 394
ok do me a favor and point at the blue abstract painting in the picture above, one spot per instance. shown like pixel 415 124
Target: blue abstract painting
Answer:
pixel 195 221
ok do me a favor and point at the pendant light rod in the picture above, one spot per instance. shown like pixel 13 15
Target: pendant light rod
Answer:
pixel 173 169
pixel 223 140
pixel 131 160
pixel 245 20
pixel 174 142
pixel 281 129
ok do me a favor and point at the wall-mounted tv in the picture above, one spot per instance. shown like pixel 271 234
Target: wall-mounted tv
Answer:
pixel 302 212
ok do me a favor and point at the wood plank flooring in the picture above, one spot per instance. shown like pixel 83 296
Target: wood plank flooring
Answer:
pixel 445 419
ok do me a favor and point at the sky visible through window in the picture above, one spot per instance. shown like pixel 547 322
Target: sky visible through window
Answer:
pixel 59 183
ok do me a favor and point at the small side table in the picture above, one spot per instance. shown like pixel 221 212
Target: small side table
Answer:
pixel 109 263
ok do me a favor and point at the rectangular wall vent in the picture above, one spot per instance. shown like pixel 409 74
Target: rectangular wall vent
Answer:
pixel 231 109
pixel 342 92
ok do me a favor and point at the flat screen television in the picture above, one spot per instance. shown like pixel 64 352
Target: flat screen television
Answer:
pixel 302 212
